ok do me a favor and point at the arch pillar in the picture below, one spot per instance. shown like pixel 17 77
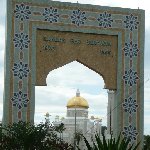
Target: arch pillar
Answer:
pixel 110 111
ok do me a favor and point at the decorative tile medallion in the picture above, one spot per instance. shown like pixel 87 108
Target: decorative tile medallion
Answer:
pixel 131 49
pixel 131 22
pixel 78 17
pixel 22 12
pixel 21 40
pixel 105 20
pixel 130 133
pixel 130 105
pixel 130 77
pixel 20 70
pixel 51 14
pixel 20 100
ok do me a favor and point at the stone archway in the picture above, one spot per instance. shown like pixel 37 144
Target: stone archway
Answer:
pixel 42 36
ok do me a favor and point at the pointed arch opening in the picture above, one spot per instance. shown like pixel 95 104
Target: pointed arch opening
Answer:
pixel 62 84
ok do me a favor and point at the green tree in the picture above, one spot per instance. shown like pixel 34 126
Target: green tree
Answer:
pixel 60 129
pixel 146 142
pixel 26 136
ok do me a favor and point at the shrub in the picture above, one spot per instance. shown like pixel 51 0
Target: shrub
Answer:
pixel 110 144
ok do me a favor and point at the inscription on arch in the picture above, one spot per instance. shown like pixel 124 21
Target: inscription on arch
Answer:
pixel 98 51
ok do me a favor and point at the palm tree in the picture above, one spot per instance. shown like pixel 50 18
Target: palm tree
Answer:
pixel 60 129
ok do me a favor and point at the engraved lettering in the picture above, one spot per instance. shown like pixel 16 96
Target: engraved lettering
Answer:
pixel 100 43
pixel 49 48
pixel 105 52
pixel 75 41
pixel 54 39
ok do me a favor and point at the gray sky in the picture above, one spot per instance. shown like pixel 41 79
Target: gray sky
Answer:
pixel 63 82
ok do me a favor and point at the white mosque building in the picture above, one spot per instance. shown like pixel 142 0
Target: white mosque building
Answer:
pixel 77 122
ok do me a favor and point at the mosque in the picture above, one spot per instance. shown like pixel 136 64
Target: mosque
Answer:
pixel 77 122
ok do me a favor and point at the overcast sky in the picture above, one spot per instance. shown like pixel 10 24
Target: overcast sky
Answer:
pixel 63 82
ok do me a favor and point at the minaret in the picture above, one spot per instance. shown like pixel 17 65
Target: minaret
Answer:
pixel 78 93
pixel 47 120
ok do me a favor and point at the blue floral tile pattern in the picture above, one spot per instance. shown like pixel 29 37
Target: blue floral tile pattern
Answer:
pixel 131 50
pixel 131 22
pixel 21 40
pixel 130 77
pixel 105 20
pixel 20 100
pixel 78 17
pixel 130 133
pixel 20 70
pixel 51 14
pixel 22 12
pixel 130 105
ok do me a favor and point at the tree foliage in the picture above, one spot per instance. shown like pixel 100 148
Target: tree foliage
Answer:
pixel 26 136
pixel 60 129
pixel 146 142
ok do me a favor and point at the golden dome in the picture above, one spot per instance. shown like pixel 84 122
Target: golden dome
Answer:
pixel 77 101
pixel 47 114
